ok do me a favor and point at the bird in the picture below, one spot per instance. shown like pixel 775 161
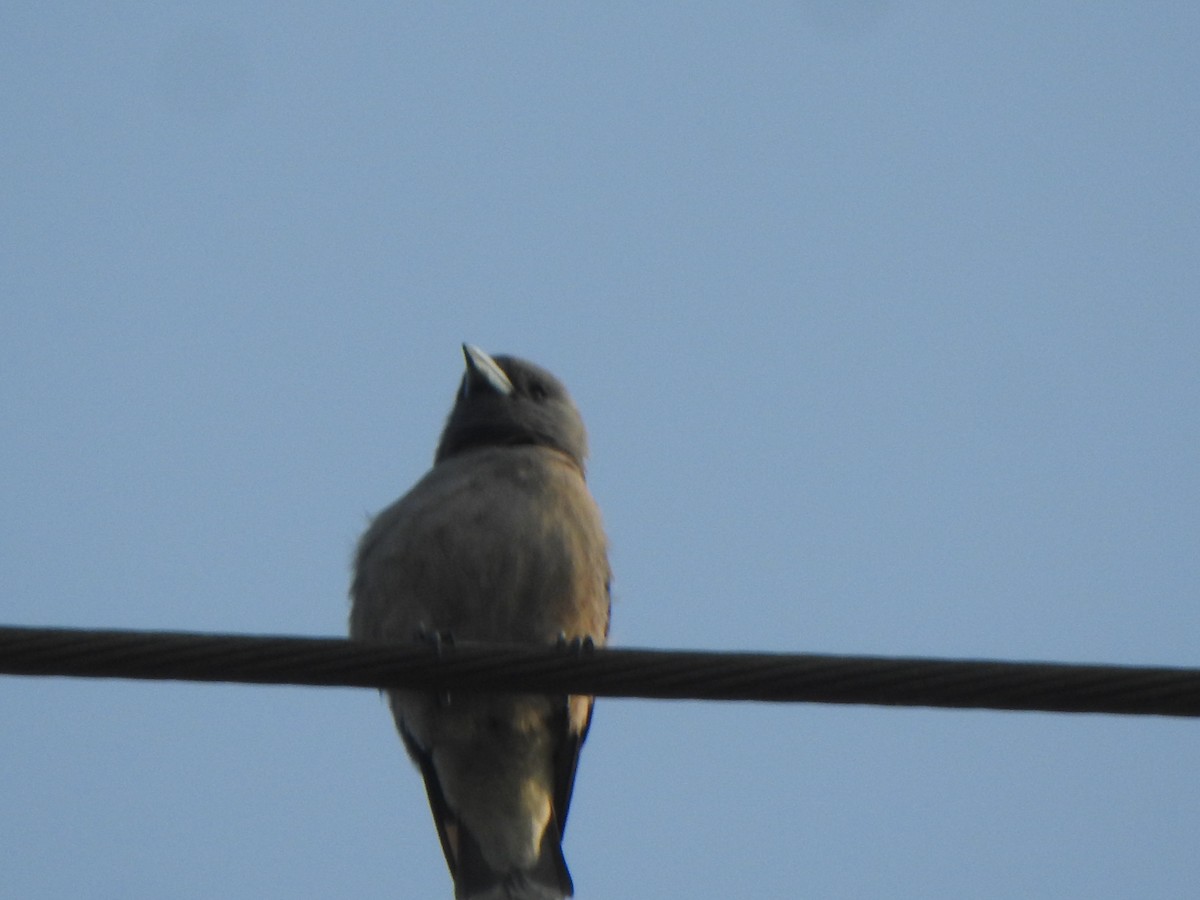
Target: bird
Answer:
pixel 501 541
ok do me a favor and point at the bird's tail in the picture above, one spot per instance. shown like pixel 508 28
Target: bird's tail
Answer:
pixel 546 879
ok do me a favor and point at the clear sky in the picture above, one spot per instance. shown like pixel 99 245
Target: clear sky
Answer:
pixel 885 321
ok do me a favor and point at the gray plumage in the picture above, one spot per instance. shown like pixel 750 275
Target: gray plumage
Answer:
pixel 500 541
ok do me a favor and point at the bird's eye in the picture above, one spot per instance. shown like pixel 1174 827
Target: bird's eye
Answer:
pixel 538 391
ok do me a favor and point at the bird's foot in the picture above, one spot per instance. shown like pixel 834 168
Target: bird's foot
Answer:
pixel 439 641
pixel 576 646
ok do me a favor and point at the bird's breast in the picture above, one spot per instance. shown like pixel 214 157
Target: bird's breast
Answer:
pixel 503 544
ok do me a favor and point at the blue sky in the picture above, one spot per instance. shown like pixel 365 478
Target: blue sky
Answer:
pixel 884 320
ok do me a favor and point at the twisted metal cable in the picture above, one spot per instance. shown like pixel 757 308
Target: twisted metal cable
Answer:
pixel 606 672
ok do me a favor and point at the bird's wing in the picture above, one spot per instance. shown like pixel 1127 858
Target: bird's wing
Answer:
pixel 443 816
pixel 566 756
pixel 574 724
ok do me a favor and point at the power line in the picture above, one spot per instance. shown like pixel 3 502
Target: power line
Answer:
pixel 606 672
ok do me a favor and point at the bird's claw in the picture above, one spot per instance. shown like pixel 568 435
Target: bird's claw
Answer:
pixel 576 646
pixel 439 641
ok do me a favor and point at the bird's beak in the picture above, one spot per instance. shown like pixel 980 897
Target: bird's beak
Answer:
pixel 484 374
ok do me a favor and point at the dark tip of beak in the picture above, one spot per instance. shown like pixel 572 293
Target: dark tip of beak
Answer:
pixel 483 373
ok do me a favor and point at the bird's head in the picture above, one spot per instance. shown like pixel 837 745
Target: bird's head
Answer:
pixel 506 401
